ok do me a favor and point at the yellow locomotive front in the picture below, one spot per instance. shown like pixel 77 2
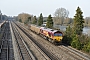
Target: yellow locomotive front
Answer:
pixel 58 36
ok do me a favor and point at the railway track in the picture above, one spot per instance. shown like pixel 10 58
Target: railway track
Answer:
pixel 6 45
pixel 24 52
pixel 49 54
pixel 75 53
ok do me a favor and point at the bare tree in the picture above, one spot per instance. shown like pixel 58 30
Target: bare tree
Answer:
pixel 24 16
pixel 60 14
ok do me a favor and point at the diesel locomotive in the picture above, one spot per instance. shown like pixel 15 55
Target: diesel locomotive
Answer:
pixel 54 36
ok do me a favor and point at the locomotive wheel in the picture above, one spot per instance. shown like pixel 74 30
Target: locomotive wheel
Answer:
pixel 46 38
pixel 49 39
pixel 53 41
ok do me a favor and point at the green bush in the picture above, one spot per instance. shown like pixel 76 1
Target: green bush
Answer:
pixel 86 47
pixel 76 43
pixel 67 40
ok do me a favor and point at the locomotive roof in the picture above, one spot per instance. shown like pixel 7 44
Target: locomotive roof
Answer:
pixel 49 30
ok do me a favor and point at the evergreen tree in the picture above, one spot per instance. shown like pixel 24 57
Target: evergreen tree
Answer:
pixel 68 36
pixel 20 20
pixel 68 31
pixel 78 22
pixel 35 20
pixel 49 22
pixel 77 29
pixel 29 19
pixel 40 21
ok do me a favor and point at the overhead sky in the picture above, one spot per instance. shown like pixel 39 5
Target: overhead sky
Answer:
pixel 46 7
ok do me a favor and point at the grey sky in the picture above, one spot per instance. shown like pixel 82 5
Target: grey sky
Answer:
pixel 35 7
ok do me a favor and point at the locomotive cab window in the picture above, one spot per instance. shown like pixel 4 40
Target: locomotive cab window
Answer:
pixel 57 34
